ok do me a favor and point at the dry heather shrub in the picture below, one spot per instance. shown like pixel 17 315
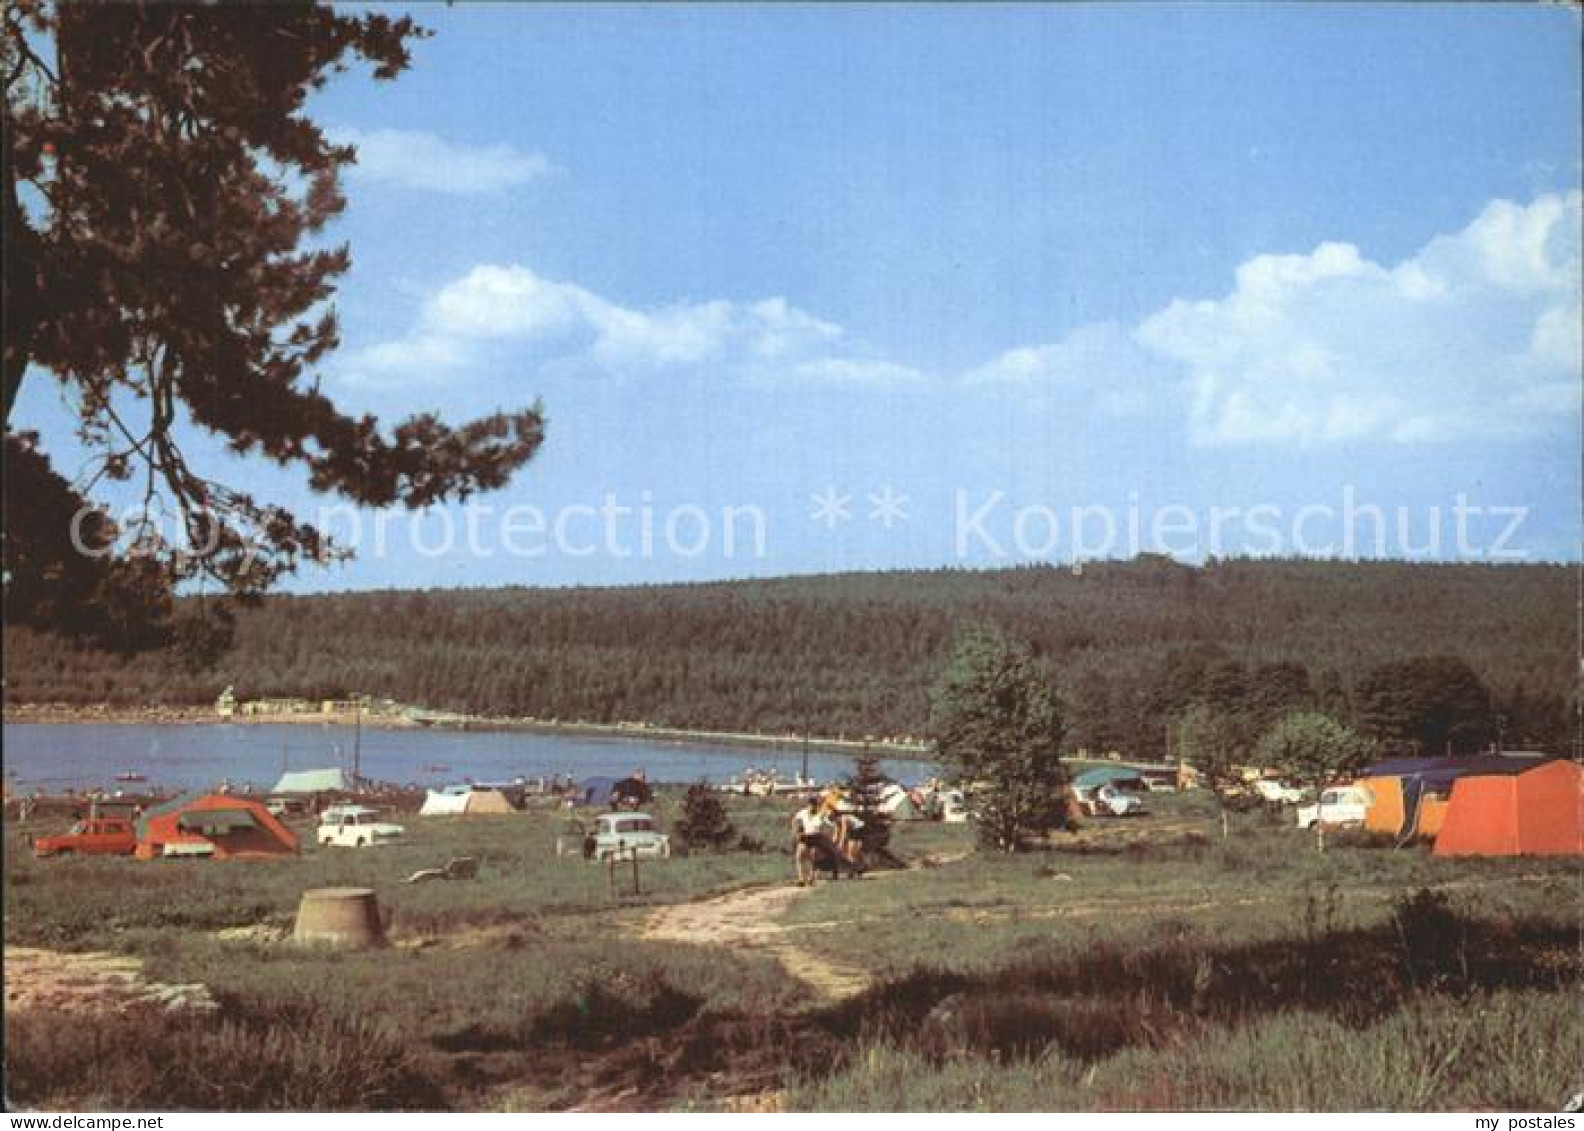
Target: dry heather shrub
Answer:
pixel 300 1060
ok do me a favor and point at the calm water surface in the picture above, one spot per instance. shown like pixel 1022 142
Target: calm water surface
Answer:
pixel 56 756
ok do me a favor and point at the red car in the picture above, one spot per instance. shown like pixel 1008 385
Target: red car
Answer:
pixel 97 836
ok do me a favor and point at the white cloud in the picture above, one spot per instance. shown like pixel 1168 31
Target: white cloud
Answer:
pixel 858 371
pixel 1524 248
pixel 505 302
pixel 783 329
pixel 673 335
pixel 1557 342
pixel 1099 368
pixel 1477 335
pixel 419 353
pixel 1093 353
pixel 1474 336
pixel 416 159
pixel 512 306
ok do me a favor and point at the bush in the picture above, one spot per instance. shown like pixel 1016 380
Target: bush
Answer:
pixel 258 1060
pixel 600 1012
pixel 704 821
pixel 1007 1025
pixel 1434 938
pixel 865 786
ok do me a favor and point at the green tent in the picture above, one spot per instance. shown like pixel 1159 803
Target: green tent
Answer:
pixel 1122 776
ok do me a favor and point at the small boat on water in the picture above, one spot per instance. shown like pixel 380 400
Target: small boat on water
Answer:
pixel 131 776
pixel 437 769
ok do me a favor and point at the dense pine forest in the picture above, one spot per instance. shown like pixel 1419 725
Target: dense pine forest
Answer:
pixel 1129 644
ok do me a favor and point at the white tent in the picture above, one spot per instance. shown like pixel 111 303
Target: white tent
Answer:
pixel 315 781
pixel 456 800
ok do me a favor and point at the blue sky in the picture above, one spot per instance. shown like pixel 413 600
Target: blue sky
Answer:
pixel 892 286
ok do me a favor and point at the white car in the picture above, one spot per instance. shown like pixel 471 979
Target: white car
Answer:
pixel 624 835
pixel 286 806
pixel 356 826
pixel 1113 802
pixel 953 807
pixel 1340 805
pixel 1273 790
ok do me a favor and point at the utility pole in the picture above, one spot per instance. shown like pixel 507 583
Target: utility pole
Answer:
pixel 804 777
pixel 357 744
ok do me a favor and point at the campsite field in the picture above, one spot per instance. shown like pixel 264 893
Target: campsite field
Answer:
pixel 1136 964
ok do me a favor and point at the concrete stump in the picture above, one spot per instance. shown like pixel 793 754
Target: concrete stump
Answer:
pixel 347 917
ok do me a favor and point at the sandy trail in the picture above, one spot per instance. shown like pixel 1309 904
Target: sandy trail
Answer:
pixel 750 921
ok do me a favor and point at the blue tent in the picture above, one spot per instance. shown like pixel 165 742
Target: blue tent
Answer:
pixel 595 791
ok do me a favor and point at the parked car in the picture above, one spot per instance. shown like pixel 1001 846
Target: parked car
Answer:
pixel 1340 805
pixel 97 836
pixel 356 826
pixel 628 834
pixel 953 807
pixel 1109 801
pixel 287 807
pixel 1272 790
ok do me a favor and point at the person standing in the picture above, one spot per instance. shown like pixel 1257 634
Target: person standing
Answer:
pixel 849 842
pixel 808 827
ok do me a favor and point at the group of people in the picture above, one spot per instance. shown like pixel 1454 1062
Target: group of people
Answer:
pixel 765 783
pixel 827 838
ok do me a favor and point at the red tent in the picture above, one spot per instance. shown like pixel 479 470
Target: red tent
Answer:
pixel 1538 811
pixel 213 824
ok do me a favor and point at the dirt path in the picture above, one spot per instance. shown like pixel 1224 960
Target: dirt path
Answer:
pixel 750 921
pixel 90 983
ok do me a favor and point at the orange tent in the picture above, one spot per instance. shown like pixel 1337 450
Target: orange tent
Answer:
pixel 213 824
pixel 1396 812
pixel 1385 814
pixel 1432 815
pixel 1537 812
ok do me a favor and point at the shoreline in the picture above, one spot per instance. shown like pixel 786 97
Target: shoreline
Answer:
pixel 61 714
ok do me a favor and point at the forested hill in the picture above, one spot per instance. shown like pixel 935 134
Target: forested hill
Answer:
pixel 855 654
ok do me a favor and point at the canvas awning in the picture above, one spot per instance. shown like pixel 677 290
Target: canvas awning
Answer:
pixel 215 820
pixel 334 780
pixel 1104 775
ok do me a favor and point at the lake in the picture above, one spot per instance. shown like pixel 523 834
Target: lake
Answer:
pixel 55 756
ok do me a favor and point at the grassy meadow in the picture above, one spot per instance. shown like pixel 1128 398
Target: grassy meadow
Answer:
pixel 1140 964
